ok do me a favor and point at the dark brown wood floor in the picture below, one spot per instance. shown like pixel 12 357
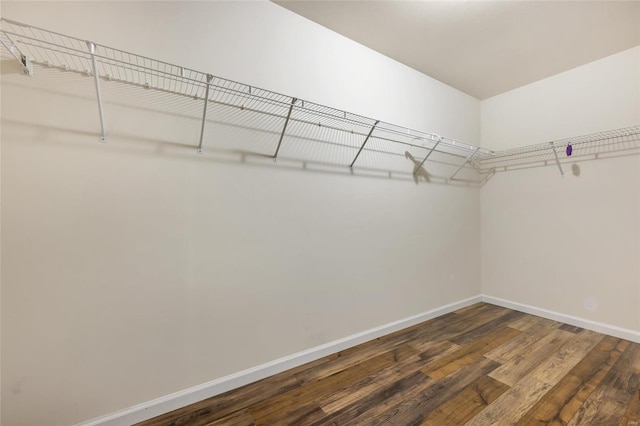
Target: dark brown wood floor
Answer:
pixel 482 365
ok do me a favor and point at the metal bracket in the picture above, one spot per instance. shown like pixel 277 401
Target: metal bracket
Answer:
pixel 96 79
pixel 465 163
pixel 23 61
pixel 364 143
pixel 204 111
pixel 284 128
pixel 25 65
pixel 428 154
pixel 555 154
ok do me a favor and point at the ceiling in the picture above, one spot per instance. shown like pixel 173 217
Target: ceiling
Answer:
pixel 483 48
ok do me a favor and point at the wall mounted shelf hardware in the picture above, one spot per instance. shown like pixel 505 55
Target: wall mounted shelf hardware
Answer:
pixel 31 45
pixel 295 119
pixel 610 143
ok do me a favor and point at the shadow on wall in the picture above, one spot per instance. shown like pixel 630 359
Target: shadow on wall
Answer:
pixel 136 145
pixel 614 144
pixel 238 140
pixel 9 66
pixel 418 169
pixel 575 169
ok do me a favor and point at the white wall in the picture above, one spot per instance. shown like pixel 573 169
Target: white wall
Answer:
pixel 602 95
pixel 261 44
pixel 0 240
pixel 135 269
pixel 571 244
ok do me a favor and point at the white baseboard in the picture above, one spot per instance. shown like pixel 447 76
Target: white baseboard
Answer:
pixel 612 330
pixel 197 393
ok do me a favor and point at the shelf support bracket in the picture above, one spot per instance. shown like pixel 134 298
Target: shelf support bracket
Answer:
pixel 23 61
pixel 284 129
pixel 204 111
pixel 364 143
pixel 96 80
pixel 555 154
pixel 439 139
pixel 465 162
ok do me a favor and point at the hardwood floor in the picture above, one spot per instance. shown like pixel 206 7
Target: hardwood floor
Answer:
pixel 481 365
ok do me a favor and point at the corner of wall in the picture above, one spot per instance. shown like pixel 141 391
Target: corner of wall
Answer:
pixel 520 248
pixel 0 236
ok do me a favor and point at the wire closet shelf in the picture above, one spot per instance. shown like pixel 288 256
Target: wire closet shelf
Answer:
pixel 610 143
pixel 31 46
pixel 287 117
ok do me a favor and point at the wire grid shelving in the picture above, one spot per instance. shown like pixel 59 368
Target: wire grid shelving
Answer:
pixel 610 143
pixel 297 120
pixel 299 128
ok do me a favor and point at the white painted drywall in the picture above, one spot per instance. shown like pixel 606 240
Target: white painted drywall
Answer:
pixel 0 240
pixel 601 95
pixel 571 244
pixel 135 269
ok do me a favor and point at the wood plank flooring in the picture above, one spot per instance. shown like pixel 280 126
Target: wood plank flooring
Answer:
pixel 481 365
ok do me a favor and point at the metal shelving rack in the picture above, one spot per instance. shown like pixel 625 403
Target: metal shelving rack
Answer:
pixel 247 105
pixel 285 119
pixel 611 143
